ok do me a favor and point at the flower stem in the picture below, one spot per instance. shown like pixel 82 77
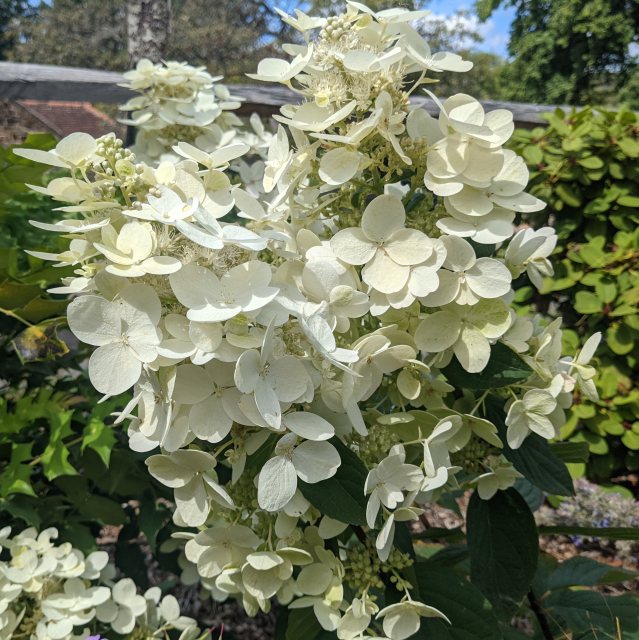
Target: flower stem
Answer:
pixel 540 615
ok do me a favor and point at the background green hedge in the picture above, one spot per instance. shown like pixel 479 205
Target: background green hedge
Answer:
pixel 585 165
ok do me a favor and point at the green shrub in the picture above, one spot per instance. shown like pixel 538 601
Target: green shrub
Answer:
pixel 585 165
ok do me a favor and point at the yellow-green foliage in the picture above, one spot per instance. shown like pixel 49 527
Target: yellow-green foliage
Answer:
pixel 585 165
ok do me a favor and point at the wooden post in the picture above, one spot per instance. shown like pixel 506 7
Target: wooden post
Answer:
pixel 147 29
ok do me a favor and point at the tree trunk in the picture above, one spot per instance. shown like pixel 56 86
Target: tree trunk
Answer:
pixel 147 29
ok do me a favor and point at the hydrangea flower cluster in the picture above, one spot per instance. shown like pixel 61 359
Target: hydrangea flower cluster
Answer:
pixel 185 103
pixel 338 317
pixel 55 592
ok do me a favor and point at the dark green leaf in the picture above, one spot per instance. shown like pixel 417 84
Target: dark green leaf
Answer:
pixel 443 589
pixel 534 459
pixel 581 571
pixel 533 495
pixel 571 451
pixel 503 545
pixel 130 559
pixel 505 367
pixel 302 625
pixel 587 610
pixel 22 508
pixel 151 518
pixel 342 496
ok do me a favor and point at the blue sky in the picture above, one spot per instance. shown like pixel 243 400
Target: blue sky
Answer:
pixel 494 31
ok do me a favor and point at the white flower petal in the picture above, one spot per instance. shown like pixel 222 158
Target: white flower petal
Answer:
pixel 247 371
pixel 76 147
pixel 308 425
pixel 94 320
pixel 472 349
pixel 352 246
pixel 113 368
pixel 192 384
pixel 489 278
pixel 382 217
pixel 276 484
pixel 338 165
pixel 192 502
pixel 314 579
pixel 438 332
pixel 209 421
pixel 268 403
pixel 384 274
pixel 315 461
pixel 408 246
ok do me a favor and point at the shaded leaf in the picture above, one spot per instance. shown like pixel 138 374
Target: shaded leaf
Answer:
pixel 504 367
pixel 503 545
pixel 443 589
pixel 342 496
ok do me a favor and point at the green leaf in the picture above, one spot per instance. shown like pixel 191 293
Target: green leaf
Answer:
pixel 14 295
pixel 587 302
pixel 151 518
pixel 592 255
pixel 342 496
pixel 16 476
pixel 533 495
pixel 22 508
pixel 302 624
pixel 90 506
pixel 533 154
pixel 503 545
pixel 485 8
pixel 568 194
pixel 606 291
pixel 581 571
pixel 571 451
pixel 534 459
pixel 79 535
pixel 591 610
pixel 130 559
pixel 630 439
pixel 55 456
pixel 591 162
pixel 439 587
pixel 620 338
pixel 609 533
pixel 629 147
pixel 504 368
pixel 628 201
pixel 99 437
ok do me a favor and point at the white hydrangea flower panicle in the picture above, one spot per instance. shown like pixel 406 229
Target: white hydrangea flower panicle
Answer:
pixel 318 344
pixel 177 97
pixel 52 591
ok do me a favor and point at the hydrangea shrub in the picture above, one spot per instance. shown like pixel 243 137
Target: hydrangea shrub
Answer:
pixel 52 591
pixel 315 356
